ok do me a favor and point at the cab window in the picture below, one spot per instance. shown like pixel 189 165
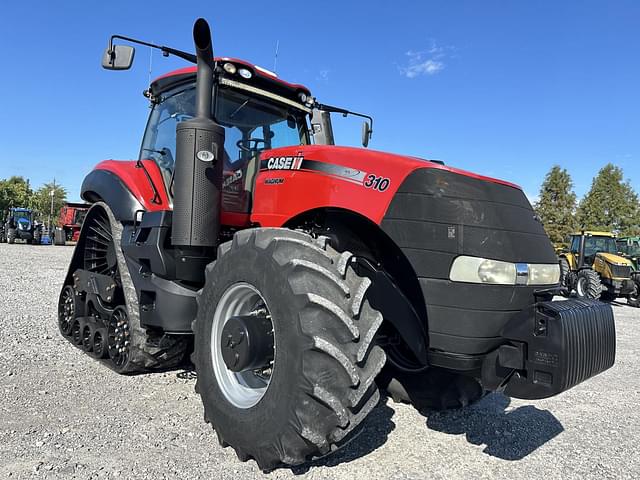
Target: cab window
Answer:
pixel 252 124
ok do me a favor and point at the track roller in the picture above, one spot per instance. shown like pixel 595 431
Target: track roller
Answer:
pixel 87 337
pixel 100 346
pixel 76 332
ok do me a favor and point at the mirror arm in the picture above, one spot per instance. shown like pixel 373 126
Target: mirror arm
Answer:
pixel 329 108
pixel 166 51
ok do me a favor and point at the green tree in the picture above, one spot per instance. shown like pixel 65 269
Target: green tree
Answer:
pixel 557 204
pixel 14 192
pixel 42 200
pixel 611 204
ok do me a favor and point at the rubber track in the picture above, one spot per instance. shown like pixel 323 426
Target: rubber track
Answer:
pixel 145 352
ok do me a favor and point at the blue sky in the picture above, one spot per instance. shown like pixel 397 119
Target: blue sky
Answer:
pixel 503 88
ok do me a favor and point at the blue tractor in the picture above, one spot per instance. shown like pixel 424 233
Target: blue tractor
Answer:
pixel 19 224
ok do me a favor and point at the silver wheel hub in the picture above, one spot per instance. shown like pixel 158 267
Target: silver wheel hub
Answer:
pixel 581 286
pixel 246 388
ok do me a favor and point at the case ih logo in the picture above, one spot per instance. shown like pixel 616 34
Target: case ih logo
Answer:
pixel 284 163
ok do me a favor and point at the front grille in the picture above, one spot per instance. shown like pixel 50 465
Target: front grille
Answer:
pixel 620 271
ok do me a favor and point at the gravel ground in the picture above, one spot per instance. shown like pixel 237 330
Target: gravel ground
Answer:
pixel 65 415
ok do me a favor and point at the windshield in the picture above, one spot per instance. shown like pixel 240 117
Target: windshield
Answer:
pixel 252 123
pixel 22 214
pixel 633 249
pixel 593 245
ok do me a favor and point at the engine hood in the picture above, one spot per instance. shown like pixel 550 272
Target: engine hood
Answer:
pixel 615 259
pixel 374 158
pixel 296 179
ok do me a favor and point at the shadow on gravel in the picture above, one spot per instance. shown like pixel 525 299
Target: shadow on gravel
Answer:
pixel 373 434
pixel 509 435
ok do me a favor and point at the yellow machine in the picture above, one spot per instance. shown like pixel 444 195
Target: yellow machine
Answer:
pixel 592 267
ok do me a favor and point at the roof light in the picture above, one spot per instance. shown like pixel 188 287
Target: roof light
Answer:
pixel 244 73
pixel 303 97
pixel 229 68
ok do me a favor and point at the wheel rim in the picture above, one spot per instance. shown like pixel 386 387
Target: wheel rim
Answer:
pixel 118 337
pixel 243 389
pixel 67 310
pixel 581 286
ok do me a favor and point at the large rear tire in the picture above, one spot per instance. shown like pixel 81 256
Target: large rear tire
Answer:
pixel 564 275
pixel 320 385
pixel 588 284
pixel 58 237
pixel 633 298
pixel 11 235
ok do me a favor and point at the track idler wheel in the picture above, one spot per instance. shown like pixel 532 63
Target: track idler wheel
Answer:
pixel 118 338
pixel 100 346
pixel 67 310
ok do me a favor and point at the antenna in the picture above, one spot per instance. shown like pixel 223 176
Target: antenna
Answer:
pixel 275 58
pixel 150 63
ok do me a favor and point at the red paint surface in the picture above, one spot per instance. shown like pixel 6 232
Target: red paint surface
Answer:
pixel 301 191
pixel 256 71
pixel 137 182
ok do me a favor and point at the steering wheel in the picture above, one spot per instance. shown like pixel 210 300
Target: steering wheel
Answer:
pixel 246 145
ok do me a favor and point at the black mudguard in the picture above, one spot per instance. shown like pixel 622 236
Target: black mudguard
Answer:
pixel 101 185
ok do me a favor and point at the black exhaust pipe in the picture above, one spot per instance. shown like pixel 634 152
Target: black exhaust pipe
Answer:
pixel 198 169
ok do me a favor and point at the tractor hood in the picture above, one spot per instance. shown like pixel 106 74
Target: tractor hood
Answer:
pixel 615 259
pixel 297 179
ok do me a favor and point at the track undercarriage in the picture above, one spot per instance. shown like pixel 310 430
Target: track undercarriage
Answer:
pixel 96 315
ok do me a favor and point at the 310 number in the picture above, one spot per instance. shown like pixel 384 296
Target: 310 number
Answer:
pixel 377 183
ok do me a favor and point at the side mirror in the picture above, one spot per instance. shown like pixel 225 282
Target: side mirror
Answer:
pixel 366 133
pixel 118 57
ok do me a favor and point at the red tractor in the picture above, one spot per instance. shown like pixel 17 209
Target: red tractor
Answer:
pixel 69 222
pixel 311 277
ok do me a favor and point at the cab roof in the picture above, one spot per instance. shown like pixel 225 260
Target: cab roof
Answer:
pixel 594 233
pixel 260 77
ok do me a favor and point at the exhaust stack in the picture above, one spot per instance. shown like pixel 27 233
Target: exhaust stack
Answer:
pixel 198 167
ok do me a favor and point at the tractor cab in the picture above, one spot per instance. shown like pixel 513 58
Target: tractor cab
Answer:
pixel 629 247
pixel 594 243
pixel 257 110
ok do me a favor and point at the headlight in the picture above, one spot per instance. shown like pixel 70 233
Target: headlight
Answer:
pixel 496 272
pixel 543 274
pixel 244 73
pixel 229 68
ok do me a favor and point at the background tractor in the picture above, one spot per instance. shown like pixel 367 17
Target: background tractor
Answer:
pixel 593 269
pixel 19 224
pixel 629 247
pixel 310 277
pixel 69 223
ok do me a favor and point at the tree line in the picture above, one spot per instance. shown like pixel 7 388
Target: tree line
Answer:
pixel 610 205
pixel 17 192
